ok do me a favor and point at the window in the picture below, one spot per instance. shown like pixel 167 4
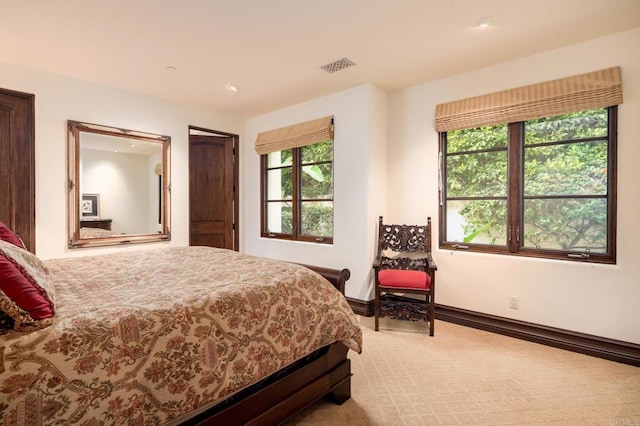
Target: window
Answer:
pixel 543 187
pixel 296 181
pixel 297 201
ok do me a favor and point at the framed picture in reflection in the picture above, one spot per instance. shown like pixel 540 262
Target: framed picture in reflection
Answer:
pixel 90 205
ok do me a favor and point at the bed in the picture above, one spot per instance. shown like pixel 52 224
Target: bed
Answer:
pixel 180 335
pixel 86 232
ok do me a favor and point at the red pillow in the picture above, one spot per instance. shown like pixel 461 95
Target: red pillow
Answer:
pixel 26 290
pixel 9 236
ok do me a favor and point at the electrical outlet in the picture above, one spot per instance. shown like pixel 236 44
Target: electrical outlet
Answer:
pixel 513 302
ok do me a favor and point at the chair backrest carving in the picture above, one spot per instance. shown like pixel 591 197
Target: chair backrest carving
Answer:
pixel 404 238
pixel 407 242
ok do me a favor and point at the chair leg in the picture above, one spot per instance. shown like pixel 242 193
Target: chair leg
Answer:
pixel 376 310
pixel 432 314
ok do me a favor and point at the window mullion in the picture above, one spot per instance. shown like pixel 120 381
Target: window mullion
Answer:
pixel 295 203
pixel 442 187
pixel 612 184
pixel 515 182
pixel 263 194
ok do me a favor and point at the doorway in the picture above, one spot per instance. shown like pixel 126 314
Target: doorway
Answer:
pixel 213 189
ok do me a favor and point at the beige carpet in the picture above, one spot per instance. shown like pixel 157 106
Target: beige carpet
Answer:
pixel 464 376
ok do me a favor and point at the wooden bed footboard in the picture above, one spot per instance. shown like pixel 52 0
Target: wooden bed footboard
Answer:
pixel 279 397
pixel 336 277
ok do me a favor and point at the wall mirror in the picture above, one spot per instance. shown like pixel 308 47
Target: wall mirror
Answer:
pixel 119 187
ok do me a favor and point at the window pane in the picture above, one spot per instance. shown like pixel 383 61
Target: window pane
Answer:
pixel 280 184
pixel 279 217
pixel 577 125
pixel 317 181
pixel 487 137
pixel 280 158
pixel 477 175
pixel 321 151
pixel 566 224
pixel 567 169
pixel 317 218
pixel 477 221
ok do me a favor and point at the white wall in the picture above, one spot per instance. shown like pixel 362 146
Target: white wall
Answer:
pixel 602 300
pixel 121 181
pixel 377 178
pixel 358 113
pixel 58 99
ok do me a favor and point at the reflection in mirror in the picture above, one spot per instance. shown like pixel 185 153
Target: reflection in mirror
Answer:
pixel 118 186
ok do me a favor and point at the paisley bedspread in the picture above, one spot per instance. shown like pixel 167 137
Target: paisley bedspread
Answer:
pixel 148 336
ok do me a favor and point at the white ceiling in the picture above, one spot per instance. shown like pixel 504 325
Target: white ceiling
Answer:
pixel 272 49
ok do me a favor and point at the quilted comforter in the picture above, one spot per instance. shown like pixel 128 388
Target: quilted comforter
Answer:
pixel 148 336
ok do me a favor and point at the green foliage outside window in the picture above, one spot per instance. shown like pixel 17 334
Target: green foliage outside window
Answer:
pixel 477 168
pixel 316 192
pixel 570 170
pixel 564 179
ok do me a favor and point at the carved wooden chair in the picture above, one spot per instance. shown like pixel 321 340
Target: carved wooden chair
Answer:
pixel 404 266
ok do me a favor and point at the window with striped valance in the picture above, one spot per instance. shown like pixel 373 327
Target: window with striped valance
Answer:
pixel 295 136
pixel 596 89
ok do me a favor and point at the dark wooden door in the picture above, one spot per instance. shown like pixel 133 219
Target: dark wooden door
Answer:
pixel 212 197
pixel 17 165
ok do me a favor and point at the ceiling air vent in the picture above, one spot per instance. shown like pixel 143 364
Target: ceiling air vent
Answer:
pixel 338 65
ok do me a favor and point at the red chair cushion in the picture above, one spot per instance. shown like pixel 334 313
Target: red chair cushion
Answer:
pixel 396 278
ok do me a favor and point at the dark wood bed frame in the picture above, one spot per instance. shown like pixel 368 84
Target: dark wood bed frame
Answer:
pixel 285 393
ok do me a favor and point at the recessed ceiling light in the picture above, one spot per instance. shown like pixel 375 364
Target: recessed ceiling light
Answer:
pixel 484 22
pixel 232 88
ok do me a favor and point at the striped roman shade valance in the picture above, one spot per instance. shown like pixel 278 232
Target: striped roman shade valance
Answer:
pixel 295 136
pixel 596 89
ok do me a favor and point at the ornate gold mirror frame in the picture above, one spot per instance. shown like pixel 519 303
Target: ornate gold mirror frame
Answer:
pixel 118 186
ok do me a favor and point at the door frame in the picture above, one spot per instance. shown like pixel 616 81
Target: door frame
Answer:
pixel 236 181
